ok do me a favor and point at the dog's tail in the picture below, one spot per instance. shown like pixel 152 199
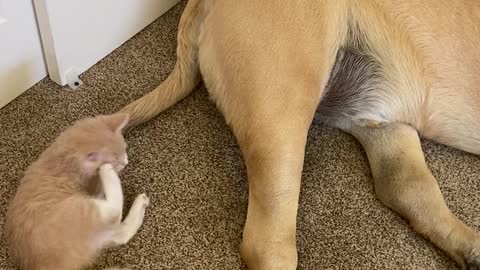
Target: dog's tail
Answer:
pixel 184 77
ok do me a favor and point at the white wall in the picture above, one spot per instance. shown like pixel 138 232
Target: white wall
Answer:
pixel 21 57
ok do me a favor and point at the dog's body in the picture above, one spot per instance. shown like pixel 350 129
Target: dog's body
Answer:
pixel 379 69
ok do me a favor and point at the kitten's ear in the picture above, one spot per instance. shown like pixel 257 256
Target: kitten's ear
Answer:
pixel 117 121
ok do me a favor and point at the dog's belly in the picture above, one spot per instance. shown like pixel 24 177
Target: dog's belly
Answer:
pixel 358 93
pixel 354 92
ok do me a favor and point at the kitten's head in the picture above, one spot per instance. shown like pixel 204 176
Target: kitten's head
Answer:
pixel 92 142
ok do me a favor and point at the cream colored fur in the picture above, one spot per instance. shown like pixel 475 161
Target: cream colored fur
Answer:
pixel 54 221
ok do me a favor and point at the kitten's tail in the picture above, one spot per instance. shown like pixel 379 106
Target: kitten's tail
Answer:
pixel 184 77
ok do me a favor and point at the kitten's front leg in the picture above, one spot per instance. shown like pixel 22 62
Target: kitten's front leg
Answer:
pixel 129 227
pixel 111 207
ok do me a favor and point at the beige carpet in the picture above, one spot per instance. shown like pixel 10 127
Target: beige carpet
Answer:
pixel 188 162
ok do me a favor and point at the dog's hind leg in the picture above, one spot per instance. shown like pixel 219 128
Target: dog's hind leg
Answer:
pixel 273 147
pixel 268 89
pixel 404 183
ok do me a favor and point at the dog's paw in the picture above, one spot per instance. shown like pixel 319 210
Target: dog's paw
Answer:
pixel 472 262
pixel 472 265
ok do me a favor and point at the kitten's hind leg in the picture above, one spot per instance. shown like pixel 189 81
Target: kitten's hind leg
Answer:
pixel 129 227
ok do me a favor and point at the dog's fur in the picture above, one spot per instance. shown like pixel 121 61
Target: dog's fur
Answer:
pixel 68 206
pixel 381 70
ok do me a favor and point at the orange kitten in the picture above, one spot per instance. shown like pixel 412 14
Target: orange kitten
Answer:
pixel 54 222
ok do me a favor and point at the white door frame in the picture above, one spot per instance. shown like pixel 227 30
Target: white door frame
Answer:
pixel 76 34
pixel 21 58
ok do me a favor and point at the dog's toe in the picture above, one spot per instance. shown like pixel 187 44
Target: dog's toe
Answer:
pixel 472 263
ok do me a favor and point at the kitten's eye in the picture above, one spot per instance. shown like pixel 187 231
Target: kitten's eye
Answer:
pixel 93 156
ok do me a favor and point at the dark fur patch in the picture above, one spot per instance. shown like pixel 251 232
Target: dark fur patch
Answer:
pixel 352 76
pixel 351 89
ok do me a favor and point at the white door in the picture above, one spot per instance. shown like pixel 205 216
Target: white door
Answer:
pixel 21 58
pixel 76 34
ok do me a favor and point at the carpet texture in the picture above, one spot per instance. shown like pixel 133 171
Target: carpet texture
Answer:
pixel 187 161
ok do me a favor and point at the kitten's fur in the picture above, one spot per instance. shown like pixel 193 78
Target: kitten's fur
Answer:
pixel 54 222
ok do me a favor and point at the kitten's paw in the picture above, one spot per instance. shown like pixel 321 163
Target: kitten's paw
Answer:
pixel 143 200
pixel 106 167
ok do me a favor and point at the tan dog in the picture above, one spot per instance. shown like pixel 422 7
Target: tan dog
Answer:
pixel 381 70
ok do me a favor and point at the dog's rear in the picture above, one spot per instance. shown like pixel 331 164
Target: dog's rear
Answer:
pixel 386 69
pixel 366 63
pixel 354 41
